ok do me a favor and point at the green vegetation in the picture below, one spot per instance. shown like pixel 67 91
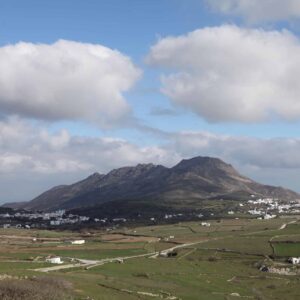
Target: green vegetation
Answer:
pixel 287 249
pixel 216 262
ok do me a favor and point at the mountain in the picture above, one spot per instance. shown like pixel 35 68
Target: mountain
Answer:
pixel 187 183
pixel 55 197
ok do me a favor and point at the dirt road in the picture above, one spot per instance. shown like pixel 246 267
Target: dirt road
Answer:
pixel 93 263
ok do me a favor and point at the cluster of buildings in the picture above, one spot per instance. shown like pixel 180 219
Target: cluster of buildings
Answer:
pixel 68 219
pixel 171 216
pixel 40 220
pixel 262 208
pixel 269 208
pixel 26 219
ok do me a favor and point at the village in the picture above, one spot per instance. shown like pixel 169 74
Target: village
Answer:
pixel 61 218
pixel 64 219
pixel 269 208
pixel 29 220
pixel 260 208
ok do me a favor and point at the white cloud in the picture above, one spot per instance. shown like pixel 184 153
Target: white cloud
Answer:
pixel 274 153
pixel 12 161
pixel 259 10
pixel 34 159
pixel 66 80
pixel 229 73
pixel 37 150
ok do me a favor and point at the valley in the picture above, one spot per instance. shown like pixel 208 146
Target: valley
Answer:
pixel 198 230
pixel 229 259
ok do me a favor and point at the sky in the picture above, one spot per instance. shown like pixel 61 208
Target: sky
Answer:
pixel 89 86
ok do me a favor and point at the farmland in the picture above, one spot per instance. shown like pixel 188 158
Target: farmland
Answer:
pixel 220 261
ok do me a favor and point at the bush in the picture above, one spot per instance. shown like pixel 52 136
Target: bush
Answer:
pixel 41 288
pixel 212 258
pixel 142 275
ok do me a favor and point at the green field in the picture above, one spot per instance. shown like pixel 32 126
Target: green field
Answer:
pixel 216 262
pixel 286 249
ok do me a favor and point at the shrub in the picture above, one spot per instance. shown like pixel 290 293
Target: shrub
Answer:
pixel 40 288
pixel 212 258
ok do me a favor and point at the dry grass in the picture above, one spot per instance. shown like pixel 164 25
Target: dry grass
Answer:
pixel 42 288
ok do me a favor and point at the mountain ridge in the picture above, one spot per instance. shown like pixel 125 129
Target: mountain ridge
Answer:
pixel 194 179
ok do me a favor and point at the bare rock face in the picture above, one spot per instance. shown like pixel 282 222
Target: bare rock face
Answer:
pixel 192 179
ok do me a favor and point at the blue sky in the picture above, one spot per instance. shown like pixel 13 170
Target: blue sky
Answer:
pixel 131 26
pixel 149 119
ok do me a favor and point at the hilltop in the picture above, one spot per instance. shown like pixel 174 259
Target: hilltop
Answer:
pixel 184 185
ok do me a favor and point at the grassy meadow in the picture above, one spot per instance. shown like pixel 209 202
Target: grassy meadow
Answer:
pixel 216 262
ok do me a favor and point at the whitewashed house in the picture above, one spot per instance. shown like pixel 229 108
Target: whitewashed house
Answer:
pixel 78 242
pixel 206 224
pixel 54 260
pixel 268 217
pixel 294 260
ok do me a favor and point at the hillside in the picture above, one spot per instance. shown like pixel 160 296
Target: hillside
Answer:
pixel 190 180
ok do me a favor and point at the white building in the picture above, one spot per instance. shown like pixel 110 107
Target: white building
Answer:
pixel 78 242
pixel 55 222
pixel 54 260
pixel 268 217
pixel 254 212
pixel 205 224
pixel 294 260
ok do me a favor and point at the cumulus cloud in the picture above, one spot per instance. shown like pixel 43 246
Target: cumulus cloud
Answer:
pixel 34 159
pixel 258 10
pixel 66 80
pixel 229 73
pixel 274 153
pixel 24 147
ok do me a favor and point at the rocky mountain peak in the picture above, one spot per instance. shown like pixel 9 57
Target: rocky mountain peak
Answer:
pixel 203 163
pixel 194 179
pixel 95 176
pixel 131 171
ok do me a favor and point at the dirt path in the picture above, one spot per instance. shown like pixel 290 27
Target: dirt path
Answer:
pixel 90 263
pixel 93 263
pixel 57 268
pixel 29 238
pixel 161 295
pixel 186 245
pixel 283 226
